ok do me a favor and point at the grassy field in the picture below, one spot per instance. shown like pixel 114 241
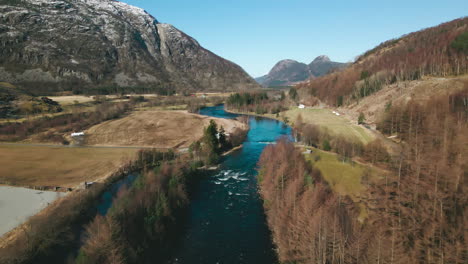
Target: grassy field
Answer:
pixel 71 99
pixel 151 128
pixel 337 125
pixel 345 178
pixel 58 166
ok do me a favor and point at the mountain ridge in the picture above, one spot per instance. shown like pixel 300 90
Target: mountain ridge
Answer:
pixel 438 51
pixel 288 72
pixel 105 46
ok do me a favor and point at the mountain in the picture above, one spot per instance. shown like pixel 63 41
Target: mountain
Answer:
pixel 285 72
pixel 437 51
pixel 412 93
pixel 323 65
pixel 288 72
pixel 104 46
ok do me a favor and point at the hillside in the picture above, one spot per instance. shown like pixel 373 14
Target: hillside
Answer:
pixel 438 51
pixel 104 46
pixel 288 72
pixel 411 92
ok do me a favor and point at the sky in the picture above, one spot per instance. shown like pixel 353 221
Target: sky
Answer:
pixel 256 34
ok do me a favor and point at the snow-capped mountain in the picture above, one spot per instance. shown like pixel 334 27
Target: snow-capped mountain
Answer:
pixel 82 45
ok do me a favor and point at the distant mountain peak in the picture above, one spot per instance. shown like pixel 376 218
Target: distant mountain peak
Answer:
pixel 283 64
pixel 288 72
pixel 321 58
pixel 287 61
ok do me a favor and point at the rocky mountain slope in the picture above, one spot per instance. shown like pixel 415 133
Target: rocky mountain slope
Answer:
pixel 104 46
pixel 287 72
pixel 323 65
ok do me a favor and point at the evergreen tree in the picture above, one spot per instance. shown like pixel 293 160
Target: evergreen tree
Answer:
pixel 293 94
pixel 361 118
pixel 211 143
pixel 223 143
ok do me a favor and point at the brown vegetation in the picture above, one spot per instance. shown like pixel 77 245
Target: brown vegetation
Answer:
pixel 159 129
pixel 427 52
pixel 312 135
pixel 310 223
pixel 37 166
pixel 52 235
pixel 63 123
pixel 402 92
pixel 417 214
pixel 140 218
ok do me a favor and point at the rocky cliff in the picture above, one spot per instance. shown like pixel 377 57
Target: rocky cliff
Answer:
pixel 104 46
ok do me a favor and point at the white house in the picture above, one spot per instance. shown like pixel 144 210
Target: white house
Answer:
pixel 301 106
pixel 78 134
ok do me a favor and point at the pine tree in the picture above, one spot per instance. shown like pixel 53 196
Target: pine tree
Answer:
pixel 361 118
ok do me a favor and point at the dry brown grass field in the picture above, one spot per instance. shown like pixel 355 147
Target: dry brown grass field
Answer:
pixel 25 165
pixel 402 92
pixel 152 128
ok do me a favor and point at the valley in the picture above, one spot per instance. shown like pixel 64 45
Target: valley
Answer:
pixel 125 140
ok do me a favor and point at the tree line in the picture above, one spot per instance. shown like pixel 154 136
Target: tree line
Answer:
pixel 55 235
pixel 436 51
pixel 140 223
pixel 257 102
pixel 320 137
pixel 414 214
pixel 16 131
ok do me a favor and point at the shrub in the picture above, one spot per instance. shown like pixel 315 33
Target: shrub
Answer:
pixel 361 118
pixel 326 145
pixel 461 43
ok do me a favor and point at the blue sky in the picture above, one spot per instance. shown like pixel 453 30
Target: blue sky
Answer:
pixel 258 33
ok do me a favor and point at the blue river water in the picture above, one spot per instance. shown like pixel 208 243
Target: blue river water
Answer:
pixel 226 222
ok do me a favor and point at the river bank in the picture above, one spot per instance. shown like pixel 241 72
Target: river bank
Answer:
pixel 225 219
pixel 241 204
pixel 54 232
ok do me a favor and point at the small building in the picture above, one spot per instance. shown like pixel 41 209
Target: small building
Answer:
pixel 307 151
pixel 78 134
pixel 301 106
pixel 87 185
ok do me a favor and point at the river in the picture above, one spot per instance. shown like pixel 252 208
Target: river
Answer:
pixel 226 222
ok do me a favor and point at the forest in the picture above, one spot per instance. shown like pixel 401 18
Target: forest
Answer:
pixel 257 102
pixel 415 214
pixel 142 217
pixel 437 51
pixel 54 235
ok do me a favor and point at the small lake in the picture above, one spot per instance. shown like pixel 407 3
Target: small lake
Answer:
pixel 226 222
pixel 17 204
